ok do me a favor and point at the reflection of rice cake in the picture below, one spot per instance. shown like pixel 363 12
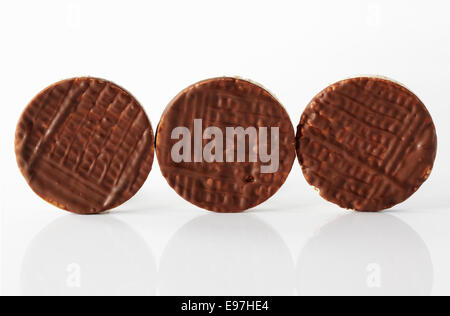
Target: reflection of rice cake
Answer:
pixel 88 256
pixel 236 255
pixel 85 145
pixel 366 143
pixel 215 168
pixel 365 255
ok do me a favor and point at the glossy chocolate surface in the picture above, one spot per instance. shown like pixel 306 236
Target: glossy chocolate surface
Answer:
pixel 84 145
pixel 225 186
pixel 366 143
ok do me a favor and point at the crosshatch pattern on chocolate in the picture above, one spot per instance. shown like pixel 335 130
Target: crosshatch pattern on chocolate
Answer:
pixel 366 143
pixel 225 186
pixel 85 145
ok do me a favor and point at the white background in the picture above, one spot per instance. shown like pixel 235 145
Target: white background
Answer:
pixel 157 243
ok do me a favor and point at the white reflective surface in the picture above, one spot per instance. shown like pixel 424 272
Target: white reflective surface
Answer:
pixel 265 252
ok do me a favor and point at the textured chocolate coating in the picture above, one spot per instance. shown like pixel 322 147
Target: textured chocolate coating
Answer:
pixel 225 186
pixel 366 143
pixel 84 145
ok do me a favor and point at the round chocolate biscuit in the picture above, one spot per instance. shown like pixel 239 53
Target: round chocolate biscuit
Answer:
pixel 85 145
pixel 366 144
pixel 206 115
